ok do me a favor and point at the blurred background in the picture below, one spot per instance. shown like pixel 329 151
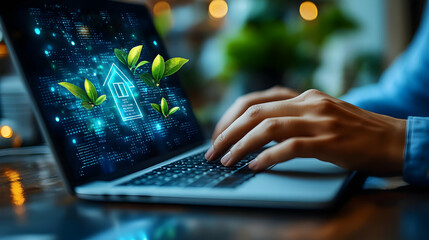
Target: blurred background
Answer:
pixel 239 46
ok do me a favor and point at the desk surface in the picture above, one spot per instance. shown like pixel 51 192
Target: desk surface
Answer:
pixel 34 204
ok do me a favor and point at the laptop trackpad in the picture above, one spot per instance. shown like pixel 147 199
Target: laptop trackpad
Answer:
pixel 299 180
pixel 308 165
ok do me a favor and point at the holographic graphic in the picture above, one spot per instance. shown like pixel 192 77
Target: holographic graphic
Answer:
pixel 69 44
pixel 120 88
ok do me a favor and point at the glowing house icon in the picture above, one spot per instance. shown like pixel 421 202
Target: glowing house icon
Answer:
pixel 120 88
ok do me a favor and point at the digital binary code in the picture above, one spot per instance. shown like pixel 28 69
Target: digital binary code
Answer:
pixel 79 44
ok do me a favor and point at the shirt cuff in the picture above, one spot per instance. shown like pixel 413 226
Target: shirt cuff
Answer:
pixel 416 156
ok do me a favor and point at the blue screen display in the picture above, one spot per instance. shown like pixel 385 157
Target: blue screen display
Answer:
pixel 71 44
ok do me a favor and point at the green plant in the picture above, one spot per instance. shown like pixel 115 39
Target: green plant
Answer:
pixel 163 108
pixel 89 96
pixel 130 59
pixel 161 69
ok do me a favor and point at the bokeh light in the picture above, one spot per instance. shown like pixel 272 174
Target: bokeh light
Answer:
pixel 161 7
pixel 6 131
pixel 17 141
pixel 3 49
pixel 218 8
pixel 16 189
pixel 163 18
pixel 308 11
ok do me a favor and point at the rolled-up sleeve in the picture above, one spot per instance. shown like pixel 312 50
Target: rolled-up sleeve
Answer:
pixel 416 157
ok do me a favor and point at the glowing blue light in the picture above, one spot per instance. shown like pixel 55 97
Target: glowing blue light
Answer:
pixel 46 52
pixel 57 119
pixel 54 35
pixel 155 43
pixel 74 141
pixel 143 236
pixel 52 89
pixel 37 31
pixel 99 123
pixel 158 126
pixel 123 94
pixel 73 43
pixel 95 74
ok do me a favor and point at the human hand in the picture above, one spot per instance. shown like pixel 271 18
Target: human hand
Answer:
pixel 242 103
pixel 314 125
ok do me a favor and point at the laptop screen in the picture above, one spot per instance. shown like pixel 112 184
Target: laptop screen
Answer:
pixel 137 122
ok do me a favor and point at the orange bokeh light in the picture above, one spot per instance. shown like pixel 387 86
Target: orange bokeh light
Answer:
pixel 3 49
pixel 161 7
pixel 16 189
pixel 308 11
pixel 6 131
pixel 218 8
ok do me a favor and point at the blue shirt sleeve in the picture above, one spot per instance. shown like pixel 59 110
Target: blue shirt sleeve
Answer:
pixel 403 92
pixel 416 164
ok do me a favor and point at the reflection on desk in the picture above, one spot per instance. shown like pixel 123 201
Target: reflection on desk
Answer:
pixel 34 205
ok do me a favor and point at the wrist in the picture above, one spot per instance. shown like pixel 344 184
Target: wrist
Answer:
pixel 396 147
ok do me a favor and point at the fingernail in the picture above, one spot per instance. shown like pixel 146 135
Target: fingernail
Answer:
pixel 226 158
pixel 253 163
pixel 209 153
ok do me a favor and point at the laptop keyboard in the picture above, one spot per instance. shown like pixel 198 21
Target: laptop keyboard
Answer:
pixel 196 171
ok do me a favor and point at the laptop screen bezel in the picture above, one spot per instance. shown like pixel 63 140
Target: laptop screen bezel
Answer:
pixel 59 154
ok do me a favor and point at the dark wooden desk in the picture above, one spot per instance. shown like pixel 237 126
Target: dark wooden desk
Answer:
pixel 34 205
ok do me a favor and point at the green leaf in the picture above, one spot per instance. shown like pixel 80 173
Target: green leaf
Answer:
pixel 156 107
pixel 158 67
pixel 124 56
pixel 147 78
pixel 87 105
pixel 90 90
pixel 133 56
pixel 164 107
pixel 142 63
pixel 173 110
pixel 173 65
pixel 100 100
pixel 121 55
pixel 139 65
pixel 75 90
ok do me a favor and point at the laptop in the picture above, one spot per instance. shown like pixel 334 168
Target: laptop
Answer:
pixel 121 148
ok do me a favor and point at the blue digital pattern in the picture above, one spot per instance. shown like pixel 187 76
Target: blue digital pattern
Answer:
pixel 124 129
